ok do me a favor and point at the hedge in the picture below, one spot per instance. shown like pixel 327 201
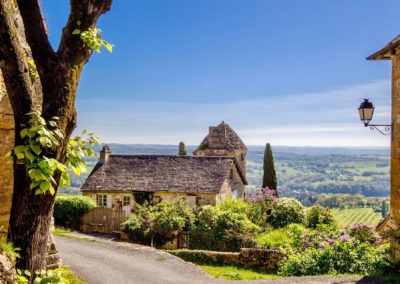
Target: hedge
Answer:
pixel 68 209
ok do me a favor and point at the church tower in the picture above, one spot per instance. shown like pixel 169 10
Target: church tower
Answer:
pixel 223 141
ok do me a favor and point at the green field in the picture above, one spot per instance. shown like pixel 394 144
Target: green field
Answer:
pixel 348 217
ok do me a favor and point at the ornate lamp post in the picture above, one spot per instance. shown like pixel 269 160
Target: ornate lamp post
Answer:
pixel 366 111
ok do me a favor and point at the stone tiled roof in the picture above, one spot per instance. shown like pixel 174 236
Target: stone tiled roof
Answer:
pixel 232 140
pixel 151 173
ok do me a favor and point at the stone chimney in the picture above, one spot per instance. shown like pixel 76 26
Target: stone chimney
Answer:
pixel 105 154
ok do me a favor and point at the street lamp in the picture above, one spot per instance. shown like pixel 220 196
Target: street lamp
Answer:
pixel 366 111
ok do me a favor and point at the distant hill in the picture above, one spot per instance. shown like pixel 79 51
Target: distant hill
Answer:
pixel 302 172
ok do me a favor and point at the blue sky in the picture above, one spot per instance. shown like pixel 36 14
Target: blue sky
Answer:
pixel 284 72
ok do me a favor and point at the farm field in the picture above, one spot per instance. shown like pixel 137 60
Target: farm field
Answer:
pixel 348 217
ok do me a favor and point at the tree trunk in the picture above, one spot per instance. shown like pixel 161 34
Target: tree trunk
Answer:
pixel 23 38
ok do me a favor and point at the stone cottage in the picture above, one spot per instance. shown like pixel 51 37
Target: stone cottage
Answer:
pixel 215 171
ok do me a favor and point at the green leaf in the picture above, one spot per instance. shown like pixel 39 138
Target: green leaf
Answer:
pixel 108 46
pixel 76 32
pixel 19 149
pixel 77 171
pixel 45 185
pixel 35 174
pixel 36 149
pixel 34 184
pixel 51 190
pixel 20 156
pixel 29 156
pixel 24 132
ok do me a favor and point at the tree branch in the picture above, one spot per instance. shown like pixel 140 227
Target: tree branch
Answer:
pixel 14 62
pixel 36 34
pixel 84 15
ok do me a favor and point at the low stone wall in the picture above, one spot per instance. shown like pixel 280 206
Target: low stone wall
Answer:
pixel 264 259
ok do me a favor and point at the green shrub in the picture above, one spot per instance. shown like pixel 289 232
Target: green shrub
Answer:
pixel 318 215
pixel 339 258
pixel 364 233
pixel 68 209
pixel 220 230
pixel 286 211
pixel 160 222
pixel 285 239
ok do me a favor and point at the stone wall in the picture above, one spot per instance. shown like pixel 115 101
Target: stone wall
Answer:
pixel 265 259
pixel 395 154
pixel 6 144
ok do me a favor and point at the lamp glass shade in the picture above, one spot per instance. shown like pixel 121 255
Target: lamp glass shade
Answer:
pixel 366 111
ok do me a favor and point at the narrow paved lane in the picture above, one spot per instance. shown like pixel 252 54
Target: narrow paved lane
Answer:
pixel 108 262
pixel 121 263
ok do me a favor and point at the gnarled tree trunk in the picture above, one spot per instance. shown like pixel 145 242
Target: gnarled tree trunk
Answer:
pixel 23 37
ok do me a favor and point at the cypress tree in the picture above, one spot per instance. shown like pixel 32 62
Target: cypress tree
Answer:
pixel 269 179
pixel 384 209
pixel 182 149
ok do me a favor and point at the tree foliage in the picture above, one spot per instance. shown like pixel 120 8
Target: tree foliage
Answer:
pixel 182 149
pixel 269 178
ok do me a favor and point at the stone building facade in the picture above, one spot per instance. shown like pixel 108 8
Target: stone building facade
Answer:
pixel 392 223
pixel 6 144
pixel 223 141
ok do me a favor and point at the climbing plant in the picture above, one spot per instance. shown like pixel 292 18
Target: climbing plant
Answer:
pixel 41 138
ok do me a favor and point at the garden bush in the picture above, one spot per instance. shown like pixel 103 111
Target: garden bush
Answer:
pixel 286 211
pixel 260 204
pixel 216 229
pixel 318 215
pixel 68 209
pixel 284 239
pixel 159 223
pixel 339 258
pixel 364 233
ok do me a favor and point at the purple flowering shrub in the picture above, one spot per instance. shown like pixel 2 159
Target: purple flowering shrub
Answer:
pixel 364 233
pixel 260 204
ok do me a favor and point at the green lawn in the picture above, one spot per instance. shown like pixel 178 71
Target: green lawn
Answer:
pixel 348 217
pixel 235 273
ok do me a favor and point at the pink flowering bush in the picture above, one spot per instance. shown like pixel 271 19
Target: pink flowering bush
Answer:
pixel 364 233
pixel 260 204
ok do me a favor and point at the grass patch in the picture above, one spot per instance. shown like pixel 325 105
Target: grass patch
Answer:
pixel 66 233
pixel 68 276
pixel 348 217
pixel 235 273
pixel 61 232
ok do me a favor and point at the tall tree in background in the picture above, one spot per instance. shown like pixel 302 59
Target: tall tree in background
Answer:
pixel 182 149
pixel 269 178
pixel 384 209
pixel 42 80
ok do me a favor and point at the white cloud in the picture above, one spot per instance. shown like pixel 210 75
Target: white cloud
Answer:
pixel 327 118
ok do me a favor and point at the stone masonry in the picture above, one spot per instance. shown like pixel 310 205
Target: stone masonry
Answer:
pixel 392 52
pixel 6 144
